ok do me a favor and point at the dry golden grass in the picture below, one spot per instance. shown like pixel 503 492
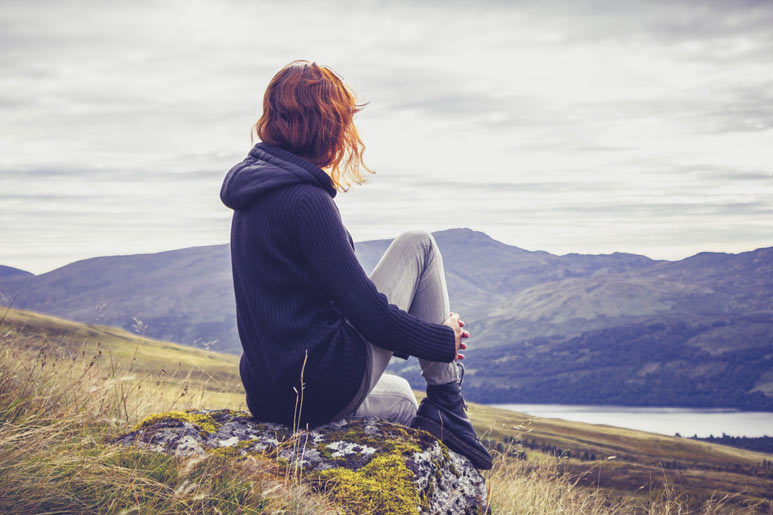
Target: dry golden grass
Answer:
pixel 67 388
pixel 60 406
pixel 543 487
pixel 635 475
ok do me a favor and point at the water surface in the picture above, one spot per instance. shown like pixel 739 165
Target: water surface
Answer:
pixel 667 421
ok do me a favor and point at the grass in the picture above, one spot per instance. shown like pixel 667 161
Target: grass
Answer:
pixel 544 487
pixel 636 465
pixel 67 388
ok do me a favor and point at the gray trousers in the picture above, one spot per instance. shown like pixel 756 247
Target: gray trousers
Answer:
pixel 410 274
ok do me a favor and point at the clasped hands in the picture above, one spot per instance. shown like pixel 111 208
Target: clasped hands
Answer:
pixel 454 322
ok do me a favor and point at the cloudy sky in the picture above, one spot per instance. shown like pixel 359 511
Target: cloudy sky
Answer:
pixel 571 126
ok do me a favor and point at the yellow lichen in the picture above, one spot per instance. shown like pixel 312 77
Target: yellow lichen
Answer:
pixel 204 422
pixel 384 486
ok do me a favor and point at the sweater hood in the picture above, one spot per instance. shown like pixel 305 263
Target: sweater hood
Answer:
pixel 266 168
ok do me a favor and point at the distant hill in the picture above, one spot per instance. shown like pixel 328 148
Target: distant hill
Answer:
pixel 714 362
pixel 185 296
pixel 511 299
pixel 9 271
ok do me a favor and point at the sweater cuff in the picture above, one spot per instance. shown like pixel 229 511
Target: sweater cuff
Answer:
pixel 446 353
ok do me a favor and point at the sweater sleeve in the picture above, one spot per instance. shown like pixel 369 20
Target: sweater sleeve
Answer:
pixel 324 242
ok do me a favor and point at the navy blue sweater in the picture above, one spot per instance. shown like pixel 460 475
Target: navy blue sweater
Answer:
pixel 300 289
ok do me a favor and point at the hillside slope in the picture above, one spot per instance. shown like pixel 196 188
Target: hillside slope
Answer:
pixel 721 363
pixel 8 271
pixel 173 368
pixel 185 296
pixel 626 471
pixel 506 293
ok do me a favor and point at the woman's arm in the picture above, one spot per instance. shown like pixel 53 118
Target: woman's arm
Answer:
pixel 327 250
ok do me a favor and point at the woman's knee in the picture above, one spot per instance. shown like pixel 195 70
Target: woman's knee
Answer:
pixel 405 405
pixel 418 239
pixel 403 388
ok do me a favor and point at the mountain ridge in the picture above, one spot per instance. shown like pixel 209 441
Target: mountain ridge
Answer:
pixel 8 271
pixel 507 295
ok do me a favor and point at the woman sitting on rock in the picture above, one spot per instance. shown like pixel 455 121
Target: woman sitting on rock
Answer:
pixel 317 332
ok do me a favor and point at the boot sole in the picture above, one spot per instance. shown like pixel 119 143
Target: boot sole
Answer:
pixel 478 459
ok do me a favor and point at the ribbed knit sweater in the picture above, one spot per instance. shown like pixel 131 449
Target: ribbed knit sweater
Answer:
pixel 300 291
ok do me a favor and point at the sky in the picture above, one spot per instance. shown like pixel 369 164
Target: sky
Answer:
pixel 575 126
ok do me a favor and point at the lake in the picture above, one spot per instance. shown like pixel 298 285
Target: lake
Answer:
pixel 667 421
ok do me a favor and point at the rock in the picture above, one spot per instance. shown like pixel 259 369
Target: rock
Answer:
pixel 367 464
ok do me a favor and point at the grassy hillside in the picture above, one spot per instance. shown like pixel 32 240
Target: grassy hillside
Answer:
pixel 626 462
pixel 166 368
pixel 65 387
pixel 185 295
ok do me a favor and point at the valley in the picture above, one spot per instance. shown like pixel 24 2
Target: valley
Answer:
pixel 599 329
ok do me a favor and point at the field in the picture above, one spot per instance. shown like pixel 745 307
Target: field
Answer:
pixel 65 388
pixel 628 463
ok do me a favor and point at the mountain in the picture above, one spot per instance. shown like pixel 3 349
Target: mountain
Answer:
pixel 9 271
pixel 478 267
pixel 714 362
pixel 185 296
pixel 713 307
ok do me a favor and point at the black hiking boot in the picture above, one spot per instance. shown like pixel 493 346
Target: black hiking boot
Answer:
pixel 442 413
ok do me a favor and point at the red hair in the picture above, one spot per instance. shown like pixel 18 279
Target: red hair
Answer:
pixel 309 111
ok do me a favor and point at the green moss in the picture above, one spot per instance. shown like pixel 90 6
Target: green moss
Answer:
pixel 226 452
pixel 382 486
pixel 393 440
pixel 402 447
pixel 240 449
pixel 245 444
pixel 447 458
pixel 430 490
pixel 327 453
pixel 437 466
pixel 204 422
pixel 232 413
pixel 352 433
pixel 444 450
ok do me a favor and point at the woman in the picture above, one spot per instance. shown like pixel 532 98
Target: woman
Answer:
pixel 317 332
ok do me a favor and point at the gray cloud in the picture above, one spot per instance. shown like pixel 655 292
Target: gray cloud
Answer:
pixel 105 175
pixel 661 22
pixel 671 209
pixel 718 174
pixel 545 123
pixel 494 188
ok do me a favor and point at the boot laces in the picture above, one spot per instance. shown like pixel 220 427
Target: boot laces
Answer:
pixel 460 366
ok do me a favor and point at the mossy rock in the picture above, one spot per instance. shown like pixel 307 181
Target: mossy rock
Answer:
pixel 368 465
